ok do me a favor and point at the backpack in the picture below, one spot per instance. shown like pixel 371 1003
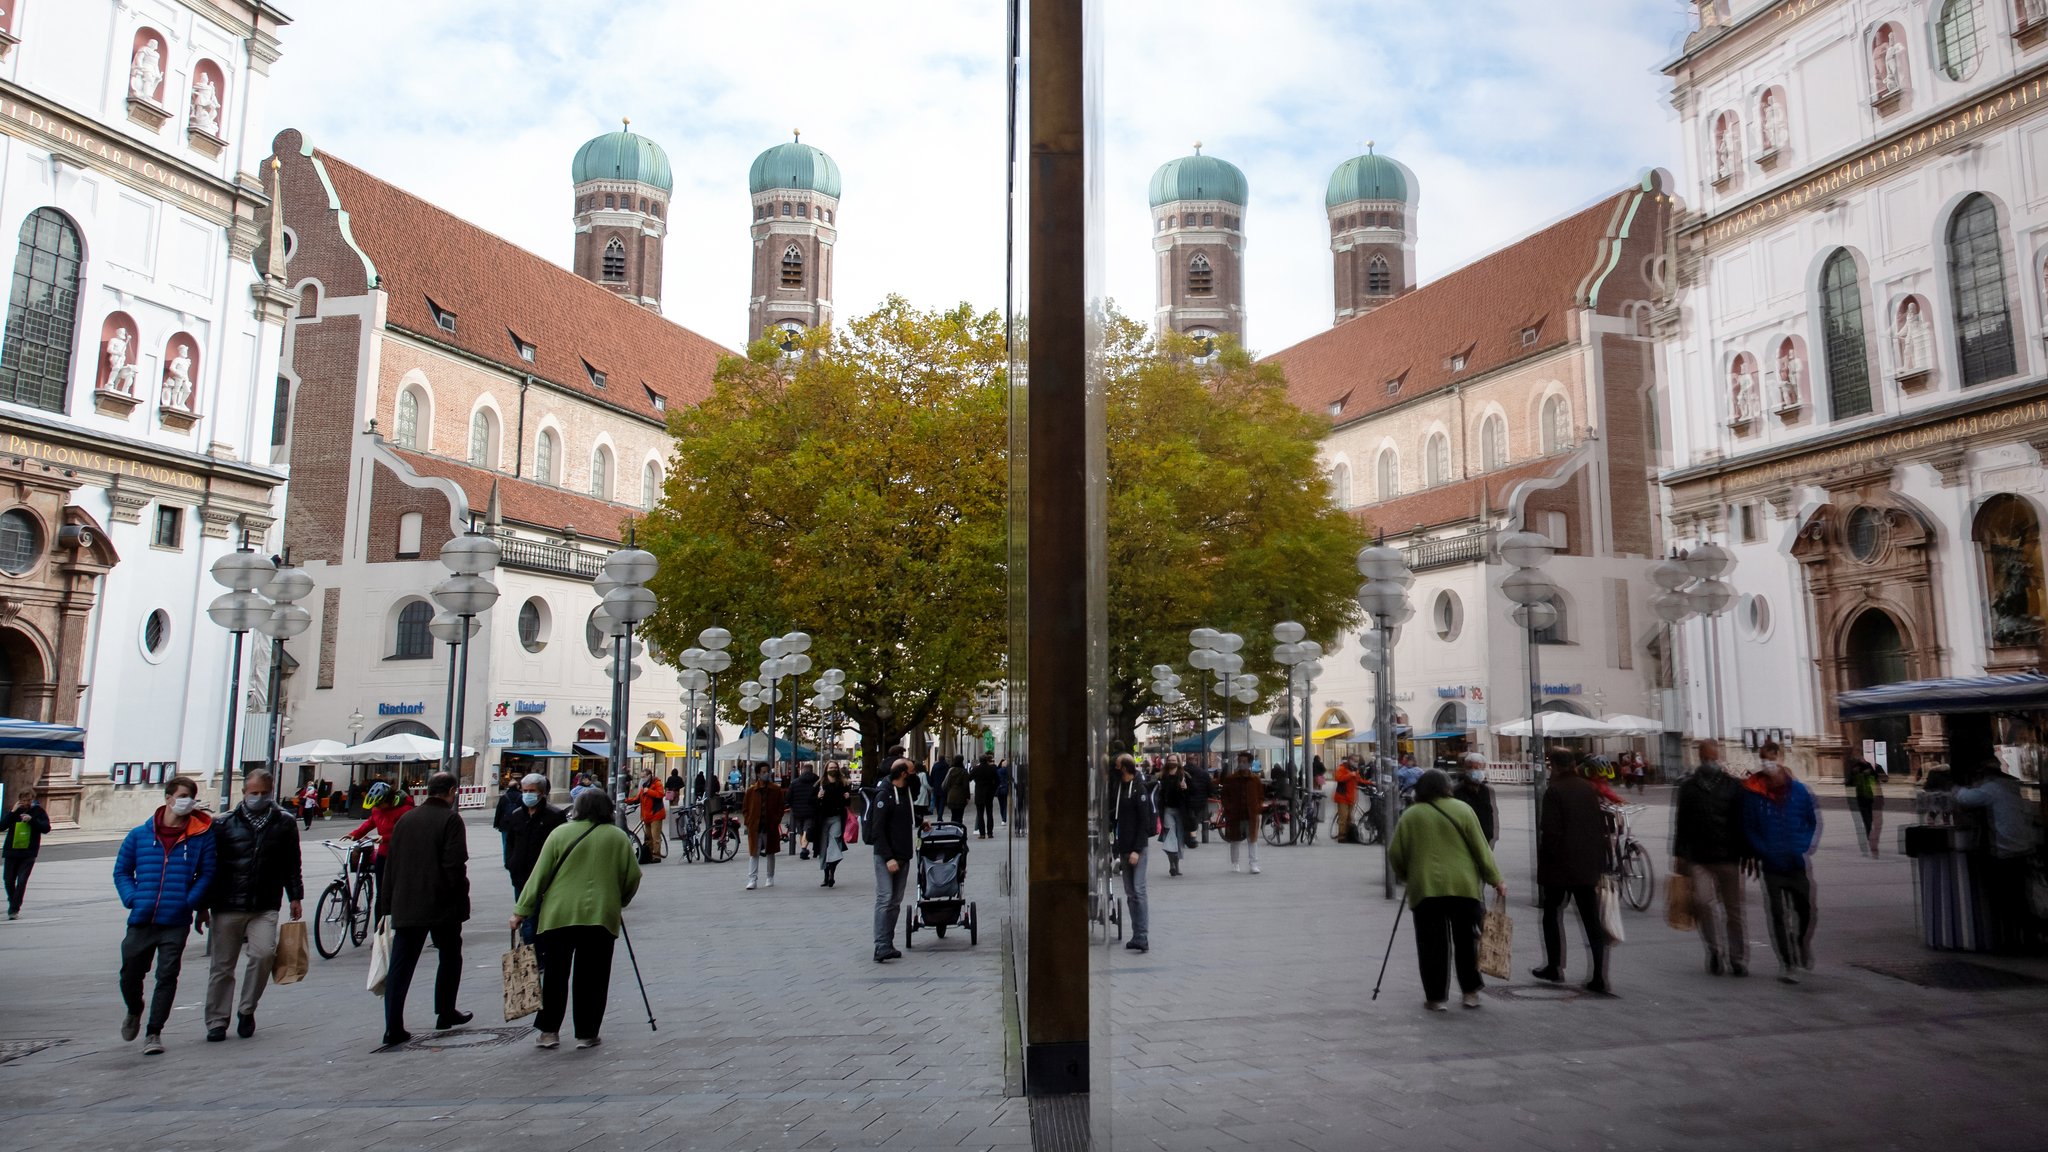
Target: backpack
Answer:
pixel 870 811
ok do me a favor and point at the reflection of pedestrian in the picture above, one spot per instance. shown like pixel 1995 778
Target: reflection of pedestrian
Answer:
pixel 1866 783
pixel 985 778
pixel 21 840
pixel 1707 844
pixel 1571 852
pixel 1003 793
pixel 1135 824
pixel 1440 853
pixel 577 892
pixel 1782 824
pixel 2006 860
pixel 426 893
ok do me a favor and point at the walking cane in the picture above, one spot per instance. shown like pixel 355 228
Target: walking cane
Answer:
pixel 1402 907
pixel 628 938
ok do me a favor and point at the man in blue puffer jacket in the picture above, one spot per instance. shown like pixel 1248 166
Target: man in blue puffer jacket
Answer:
pixel 162 873
pixel 1782 825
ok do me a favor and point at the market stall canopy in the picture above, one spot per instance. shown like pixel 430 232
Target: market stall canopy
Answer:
pixel 404 747
pixel 312 752
pixel 1627 725
pixel 1242 738
pixel 755 747
pixel 664 747
pixel 1324 735
pixel 1561 724
pixel 31 738
pixel 2019 692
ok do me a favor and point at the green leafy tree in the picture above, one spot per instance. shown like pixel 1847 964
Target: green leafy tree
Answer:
pixel 852 487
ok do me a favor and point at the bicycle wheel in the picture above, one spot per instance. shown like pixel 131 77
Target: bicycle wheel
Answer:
pixel 1276 831
pixel 330 920
pixel 1306 830
pixel 360 911
pixel 725 841
pixel 1638 877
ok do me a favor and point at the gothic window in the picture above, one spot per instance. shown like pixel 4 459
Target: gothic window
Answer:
pixel 1557 425
pixel 1436 460
pixel 1340 485
pixel 406 423
pixel 1493 442
pixel 650 485
pixel 614 259
pixel 1841 322
pixel 480 438
pixel 792 267
pixel 413 641
pixel 1956 38
pixel 42 312
pixel 1201 278
pixel 544 457
pixel 1389 474
pixel 1976 265
pixel 601 473
pixel 1379 279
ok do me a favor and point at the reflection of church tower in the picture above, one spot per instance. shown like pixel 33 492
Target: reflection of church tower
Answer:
pixel 1198 237
pixel 795 189
pixel 622 190
pixel 1371 203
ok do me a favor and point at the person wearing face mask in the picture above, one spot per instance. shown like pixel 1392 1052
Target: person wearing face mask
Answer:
pixel 527 830
pixel 1782 825
pixel 162 872
pixel 1477 794
pixel 256 849
pixel 894 847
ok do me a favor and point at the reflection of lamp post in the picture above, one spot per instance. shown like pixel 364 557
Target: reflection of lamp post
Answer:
pixel 1202 656
pixel 355 726
pixel 466 594
pixel 1384 596
pixel 960 714
pixel 1533 592
pixel 1166 689
pixel 238 610
pixel 1693 585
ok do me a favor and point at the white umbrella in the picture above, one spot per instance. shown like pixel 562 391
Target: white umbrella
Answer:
pixel 311 752
pixel 1562 724
pixel 1627 725
pixel 403 747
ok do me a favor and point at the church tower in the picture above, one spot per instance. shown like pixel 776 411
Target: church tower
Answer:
pixel 795 189
pixel 622 189
pixel 1371 203
pixel 1198 244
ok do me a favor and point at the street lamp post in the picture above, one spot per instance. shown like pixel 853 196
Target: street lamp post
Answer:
pixel 286 588
pixel 627 601
pixel 451 630
pixel 1166 689
pixel 466 594
pixel 1532 592
pixel 716 659
pixel 238 610
pixel 1202 656
pixel 1384 596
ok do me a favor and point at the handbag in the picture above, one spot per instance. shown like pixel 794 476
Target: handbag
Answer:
pixel 1610 911
pixel 290 963
pixel 380 955
pixel 1678 902
pixel 519 967
pixel 1496 940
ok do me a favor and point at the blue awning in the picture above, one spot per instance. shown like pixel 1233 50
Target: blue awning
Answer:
pixel 2018 692
pixel 540 753
pixel 30 738
pixel 1371 736
pixel 596 751
pixel 1446 734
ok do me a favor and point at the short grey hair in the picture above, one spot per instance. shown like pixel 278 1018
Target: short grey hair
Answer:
pixel 255 774
pixel 532 778
pixel 1472 760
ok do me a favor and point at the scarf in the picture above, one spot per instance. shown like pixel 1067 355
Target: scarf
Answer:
pixel 258 821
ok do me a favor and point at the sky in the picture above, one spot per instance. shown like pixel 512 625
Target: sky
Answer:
pixel 1511 115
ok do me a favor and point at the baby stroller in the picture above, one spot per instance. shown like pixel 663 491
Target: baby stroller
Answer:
pixel 941 872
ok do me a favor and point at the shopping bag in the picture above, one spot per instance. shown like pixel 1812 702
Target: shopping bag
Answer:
pixel 520 968
pixel 289 965
pixel 1678 902
pixel 380 955
pixel 1610 910
pixel 1496 940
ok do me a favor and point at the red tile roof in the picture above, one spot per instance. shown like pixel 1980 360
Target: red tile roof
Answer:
pixel 496 288
pixel 525 502
pixel 1458 501
pixel 1480 310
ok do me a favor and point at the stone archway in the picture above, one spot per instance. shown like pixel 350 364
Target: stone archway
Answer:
pixel 26 692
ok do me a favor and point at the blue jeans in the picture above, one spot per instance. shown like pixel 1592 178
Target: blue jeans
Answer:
pixel 1135 896
pixel 888 901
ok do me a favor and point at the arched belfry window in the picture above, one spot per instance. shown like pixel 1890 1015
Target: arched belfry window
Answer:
pixel 407 421
pixel 792 267
pixel 1557 425
pixel 614 259
pixel 1201 278
pixel 42 312
pixel 1976 264
pixel 1379 279
pixel 1841 322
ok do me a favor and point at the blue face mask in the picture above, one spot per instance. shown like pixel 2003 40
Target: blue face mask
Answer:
pixel 530 799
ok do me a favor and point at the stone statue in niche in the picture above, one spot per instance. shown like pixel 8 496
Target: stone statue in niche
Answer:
pixel 1746 398
pixel 1771 115
pixel 1912 338
pixel 1789 372
pixel 146 72
pixel 120 374
pixel 2013 620
pixel 1724 148
pixel 1888 61
pixel 178 380
pixel 206 106
pixel 2033 11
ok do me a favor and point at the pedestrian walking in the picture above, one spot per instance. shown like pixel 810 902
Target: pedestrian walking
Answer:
pixel 308 799
pixel 510 802
pixel 893 832
pixel 21 840
pixel 426 894
pixel 162 872
pixel 256 866
pixel 761 817
pixel 1571 853
pixel 1003 780
pixel 829 823
pixel 2005 859
pixel 1345 798
pixel 1866 784
pixel 1782 825
pixel 1472 788
pixel 1135 825
pixel 1244 797
pixel 1170 801
pixel 1440 852
pixel 1201 790
pixel 529 829
pixel 985 780
pixel 1708 846
pixel 583 880
pixel 959 792
pixel 803 808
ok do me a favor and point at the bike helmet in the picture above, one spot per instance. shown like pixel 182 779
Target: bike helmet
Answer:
pixel 379 791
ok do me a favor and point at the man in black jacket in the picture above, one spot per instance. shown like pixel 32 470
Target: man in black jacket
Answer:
pixel 256 853
pixel 21 839
pixel 983 777
pixel 426 893
pixel 1707 844
pixel 894 849
pixel 1570 855
pixel 1201 789
pixel 1134 825
pixel 526 830
pixel 509 802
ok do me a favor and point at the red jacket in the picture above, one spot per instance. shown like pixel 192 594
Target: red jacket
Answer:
pixel 1347 785
pixel 382 819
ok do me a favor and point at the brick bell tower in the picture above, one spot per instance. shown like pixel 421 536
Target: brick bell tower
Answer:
pixel 795 193
pixel 1198 246
pixel 622 190
pixel 1371 203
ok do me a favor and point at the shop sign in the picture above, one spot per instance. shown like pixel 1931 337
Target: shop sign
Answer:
pixel 657 715
pixel 529 707
pixel 1461 692
pixel 589 710
pixel 501 733
pixel 419 709
pixel 1563 689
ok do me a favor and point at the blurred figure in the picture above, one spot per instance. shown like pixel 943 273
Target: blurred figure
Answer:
pixel 1472 788
pixel 1346 800
pixel 2006 861
pixel 803 808
pixel 1170 801
pixel 1782 824
pixel 761 818
pixel 1243 798
pixel 1201 790
pixel 959 793
pixel 1866 784
pixel 1707 844
pixel 1439 852
pixel 984 780
pixel 1570 854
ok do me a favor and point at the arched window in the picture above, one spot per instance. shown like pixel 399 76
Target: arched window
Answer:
pixel 1340 485
pixel 1389 474
pixel 405 425
pixel 544 456
pixel 650 485
pixel 1557 425
pixel 413 641
pixel 1841 322
pixel 1379 279
pixel 1201 278
pixel 601 473
pixel 483 446
pixel 42 312
pixel 1436 460
pixel 1976 265
pixel 614 258
pixel 1955 35
pixel 792 267
pixel 1493 442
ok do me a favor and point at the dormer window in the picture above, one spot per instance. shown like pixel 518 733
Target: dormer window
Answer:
pixel 443 318
pixel 596 377
pixel 524 349
pixel 1336 407
pixel 1394 386
pixel 659 401
pixel 1458 363
pixel 1529 337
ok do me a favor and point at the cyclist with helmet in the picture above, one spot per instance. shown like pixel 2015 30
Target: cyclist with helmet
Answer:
pixel 387 804
pixel 1600 770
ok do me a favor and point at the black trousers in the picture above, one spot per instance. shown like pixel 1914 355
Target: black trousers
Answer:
pixel 1447 927
pixel 959 813
pixel 164 946
pixel 1587 897
pixel 985 815
pixel 406 945
pixel 16 867
pixel 587 949
pixel 1788 897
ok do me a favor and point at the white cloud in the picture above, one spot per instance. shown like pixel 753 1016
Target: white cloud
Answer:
pixel 1510 114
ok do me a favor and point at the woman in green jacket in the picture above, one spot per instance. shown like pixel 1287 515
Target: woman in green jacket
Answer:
pixel 1441 853
pixel 585 875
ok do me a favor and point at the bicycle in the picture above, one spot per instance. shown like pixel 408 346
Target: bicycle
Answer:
pixel 689 835
pixel 346 905
pixel 722 837
pixel 1627 860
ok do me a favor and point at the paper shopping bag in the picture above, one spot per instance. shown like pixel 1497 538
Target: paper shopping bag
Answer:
pixel 289 965
pixel 1496 940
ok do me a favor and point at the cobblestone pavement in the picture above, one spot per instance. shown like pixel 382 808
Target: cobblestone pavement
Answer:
pixel 1248 1026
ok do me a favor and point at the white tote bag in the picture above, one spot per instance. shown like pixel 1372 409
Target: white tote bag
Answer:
pixel 380 955
pixel 1610 910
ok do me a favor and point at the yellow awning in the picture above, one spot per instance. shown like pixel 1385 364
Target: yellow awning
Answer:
pixel 663 747
pixel 1324 735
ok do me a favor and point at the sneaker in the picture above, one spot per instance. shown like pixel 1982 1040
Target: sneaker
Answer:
pixel 1713 963
pixel 750 885
pixel 1436 1005
pixel 1552 975
pixel 152 1045
pixel 1237 867
pixel 1255 869
pixel 591 1042
pixel 453 1020
pixel 548 1040
pixel 245 1025
pixel 216 1035
pixel 131 1024
pixel 1471 999
pixel 1737 968
pixel 771 882
pixel 14 915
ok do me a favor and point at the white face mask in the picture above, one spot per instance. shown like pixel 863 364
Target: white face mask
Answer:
pixel 182 805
